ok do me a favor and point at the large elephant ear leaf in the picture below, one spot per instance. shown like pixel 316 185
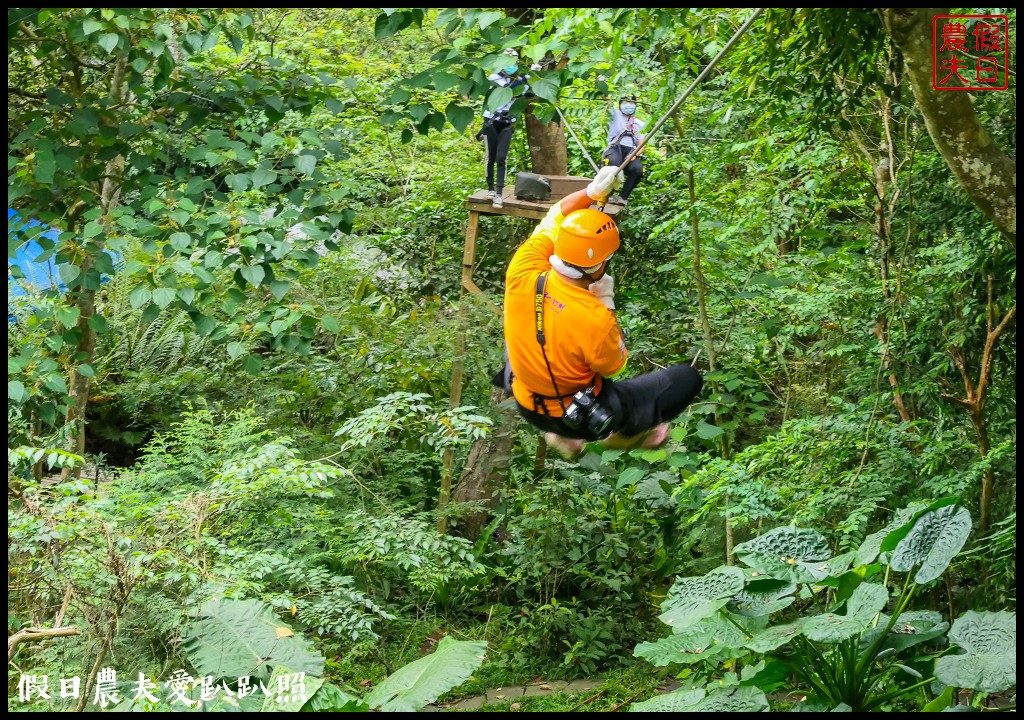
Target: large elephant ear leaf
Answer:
pixel 235 638
pixel 695 598
pixel 862 607
pixel 774 637
pixel 682 700
pixel 872 545
pixel 912 628
pixel 422 681
pixel 763 597
pixel 788 553
pixel 990 663
pixel 936 538
pixel 713 636
pixel 737 699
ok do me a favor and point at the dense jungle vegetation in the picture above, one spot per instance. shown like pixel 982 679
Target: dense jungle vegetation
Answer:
pixel 240 475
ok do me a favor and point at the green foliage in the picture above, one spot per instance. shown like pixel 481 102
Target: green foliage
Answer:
pixel 840 646
pixel 232 639
pixel 426 679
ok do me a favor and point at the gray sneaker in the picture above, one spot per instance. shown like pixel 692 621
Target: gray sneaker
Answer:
pixel 617 200
pixel 489 195
pixel 497 202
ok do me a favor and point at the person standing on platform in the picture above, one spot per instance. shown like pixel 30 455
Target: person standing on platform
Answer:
pixel 499 125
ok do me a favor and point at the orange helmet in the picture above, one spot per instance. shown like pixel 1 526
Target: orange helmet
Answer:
pixel 587 238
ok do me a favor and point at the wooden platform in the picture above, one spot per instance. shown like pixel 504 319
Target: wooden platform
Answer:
pixel 561 185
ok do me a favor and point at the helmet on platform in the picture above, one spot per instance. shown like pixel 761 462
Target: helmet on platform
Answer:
pixel 586 238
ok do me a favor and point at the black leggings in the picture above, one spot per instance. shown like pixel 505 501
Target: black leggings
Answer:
pixel 614 155
pixel 637 404
pixel 498 138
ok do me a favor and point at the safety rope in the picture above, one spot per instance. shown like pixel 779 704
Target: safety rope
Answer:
pixel 571 132
pixel 704 73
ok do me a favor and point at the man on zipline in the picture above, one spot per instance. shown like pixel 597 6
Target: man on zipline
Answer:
pixel 564 343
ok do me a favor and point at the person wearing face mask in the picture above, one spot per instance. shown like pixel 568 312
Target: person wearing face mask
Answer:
pixel 499 125
pixel 623 138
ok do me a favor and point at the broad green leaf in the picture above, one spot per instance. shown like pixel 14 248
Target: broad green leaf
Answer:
pixel 331 698
pixel 16 392
pixel 713 636
pixel 546 88
pixel 68 316
pixel 935 539
pixel 329 324
pixel 695 598
pixel 253 274
pixel 788 553
pixel 460 116
pixel 56 382
pixel 730 700
pixel 682 700
pixel 86 370
pixel 774 637
pixel 707 431
pixel 914 510
pixel 279 288
pixel 912 628
pixel 990 661
pixel 285 694
pixel 763 597
pixel 235 349
pixel 237 182
pixel 629 476
pixel 444 80
pixel 862 607
pixel 422 681
pixel 235 638
pixel 164 296
pixel 252 364
pixel 108 41
pixel 498 97
pixel 89 26
pixel 305 164
pixel 262 177
pixel 139 296
pixel 68 273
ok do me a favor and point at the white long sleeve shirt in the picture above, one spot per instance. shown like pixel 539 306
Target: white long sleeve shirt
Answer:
pixel 626 128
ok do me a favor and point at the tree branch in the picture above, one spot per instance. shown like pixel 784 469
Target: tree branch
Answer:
pixel 35 634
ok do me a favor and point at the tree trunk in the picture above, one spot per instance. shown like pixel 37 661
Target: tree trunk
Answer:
pixel 486 470
pixel 983 170
pixel 548 150
pixel 976 394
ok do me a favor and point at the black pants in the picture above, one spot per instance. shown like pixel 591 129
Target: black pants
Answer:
pixel 498 138
pixel 614 155
pixel 637 404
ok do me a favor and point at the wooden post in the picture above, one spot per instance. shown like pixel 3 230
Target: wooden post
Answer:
pixel 448 459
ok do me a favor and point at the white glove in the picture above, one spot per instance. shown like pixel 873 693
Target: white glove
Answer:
pixel 604 289
pixel 535 67
pixel 607 180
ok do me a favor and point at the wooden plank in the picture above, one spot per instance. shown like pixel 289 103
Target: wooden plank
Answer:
pixel 479 203
pixel 562 185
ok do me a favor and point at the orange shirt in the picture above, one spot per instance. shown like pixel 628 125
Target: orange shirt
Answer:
pixel 583 338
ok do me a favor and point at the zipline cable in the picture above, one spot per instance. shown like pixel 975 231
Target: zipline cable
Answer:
pixel 572 132
pixel 704 73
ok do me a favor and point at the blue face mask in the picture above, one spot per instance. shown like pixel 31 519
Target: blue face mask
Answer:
pixel 627 108
pixel 511 69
